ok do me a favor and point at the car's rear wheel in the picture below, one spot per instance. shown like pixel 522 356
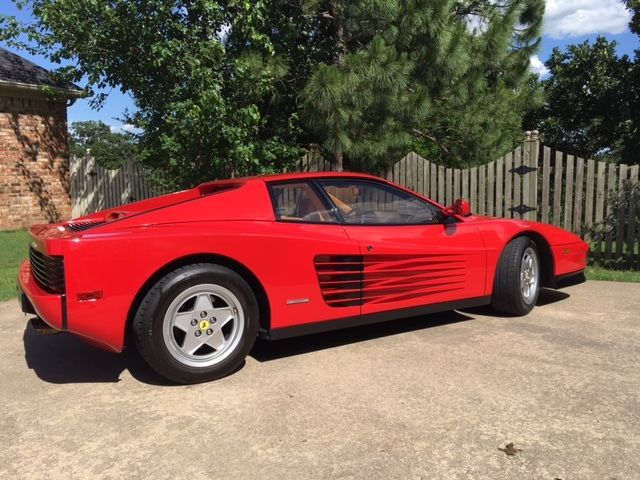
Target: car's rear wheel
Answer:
pixel 517 281
pixel 197 323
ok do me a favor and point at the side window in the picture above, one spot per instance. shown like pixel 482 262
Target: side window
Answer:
pixel 298 202
pixel 371 203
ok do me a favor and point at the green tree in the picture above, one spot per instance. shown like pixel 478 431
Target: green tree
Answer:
pixel 588 97
pixel 447 78
pixel 110 149
pixel 633 87
pixel 244 87
pixel 634 6
pixel 205 78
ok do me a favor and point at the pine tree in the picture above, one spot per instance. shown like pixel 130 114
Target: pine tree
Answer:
pixel 447 78
pixel 231 85
pixel 350 102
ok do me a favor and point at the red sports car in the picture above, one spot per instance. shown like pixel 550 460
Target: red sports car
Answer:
pixel 198 275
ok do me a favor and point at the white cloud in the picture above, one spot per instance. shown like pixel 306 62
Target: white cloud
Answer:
pixel 538 67
pixel 570 18
pixel 127 127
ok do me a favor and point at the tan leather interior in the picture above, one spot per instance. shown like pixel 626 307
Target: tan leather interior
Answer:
pixel 343 207
pixel 308 204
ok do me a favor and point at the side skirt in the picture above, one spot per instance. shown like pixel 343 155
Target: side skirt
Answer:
pixel 357 321
pixel 568 280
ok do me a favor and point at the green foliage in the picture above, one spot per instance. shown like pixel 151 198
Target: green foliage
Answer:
pixel 592 106
pixel 446 78
pixel 634 6
pixel 204 76
pixel 587 110
pixel 110 149
pixel 244 87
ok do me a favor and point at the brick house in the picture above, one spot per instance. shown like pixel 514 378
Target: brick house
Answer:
pixel 34 148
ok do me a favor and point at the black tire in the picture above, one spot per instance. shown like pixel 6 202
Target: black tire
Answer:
pixel 508 296
pixel 156 332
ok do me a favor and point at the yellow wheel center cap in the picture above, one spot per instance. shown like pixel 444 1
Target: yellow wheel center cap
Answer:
pixel 204 325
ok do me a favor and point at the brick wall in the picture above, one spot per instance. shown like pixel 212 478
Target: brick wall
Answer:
pixel 34 167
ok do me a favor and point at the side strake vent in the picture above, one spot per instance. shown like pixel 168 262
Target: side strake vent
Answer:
pixel 396 278
pixel 340 278
pixel 348 280
pixel 84 225
pixel 48 271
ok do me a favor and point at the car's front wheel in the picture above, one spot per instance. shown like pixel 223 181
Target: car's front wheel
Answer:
pixel 517 281
pixel 197 323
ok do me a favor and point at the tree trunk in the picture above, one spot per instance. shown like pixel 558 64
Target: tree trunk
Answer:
pixel 338 156
pixel 339 13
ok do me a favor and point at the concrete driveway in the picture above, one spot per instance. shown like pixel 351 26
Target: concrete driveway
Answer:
pixel 429 397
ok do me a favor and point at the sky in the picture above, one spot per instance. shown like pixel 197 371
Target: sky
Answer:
pixel 566 22
pixel 569 22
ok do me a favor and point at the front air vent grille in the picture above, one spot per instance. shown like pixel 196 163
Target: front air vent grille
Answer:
pixel 340 278
pixel 48 271
pixel 86 225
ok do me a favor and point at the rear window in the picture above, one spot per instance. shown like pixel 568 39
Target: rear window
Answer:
pixel 299 202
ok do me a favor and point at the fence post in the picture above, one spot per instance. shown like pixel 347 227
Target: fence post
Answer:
pixel 75 184
pixel 546 176
pixel 531 158
pixel 517 181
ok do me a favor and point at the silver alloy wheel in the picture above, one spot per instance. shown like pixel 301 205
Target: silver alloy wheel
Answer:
pixel 529 275
pixel 203 325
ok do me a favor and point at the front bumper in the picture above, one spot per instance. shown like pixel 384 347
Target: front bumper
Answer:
pixel 34 300
pixel 570 258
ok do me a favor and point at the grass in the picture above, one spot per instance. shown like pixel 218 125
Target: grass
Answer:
pixel 13 249
pixel 599 273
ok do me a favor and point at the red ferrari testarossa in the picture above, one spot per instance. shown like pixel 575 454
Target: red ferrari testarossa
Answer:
pixel 199 274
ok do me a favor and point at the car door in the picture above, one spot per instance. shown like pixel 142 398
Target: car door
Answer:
pixel 411 254
pixel 313 255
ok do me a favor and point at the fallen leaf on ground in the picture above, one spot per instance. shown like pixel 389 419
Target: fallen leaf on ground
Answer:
pixel 510 449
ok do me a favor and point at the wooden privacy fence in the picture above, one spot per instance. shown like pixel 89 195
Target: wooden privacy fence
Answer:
pixel 506 187
pixel 95 188
pixel 593 199
pixel 596 200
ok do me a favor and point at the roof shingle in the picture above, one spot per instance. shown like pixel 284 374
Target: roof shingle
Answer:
pixel 16 69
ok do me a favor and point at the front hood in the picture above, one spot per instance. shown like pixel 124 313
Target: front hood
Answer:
pixel 513 226
pixel 480 218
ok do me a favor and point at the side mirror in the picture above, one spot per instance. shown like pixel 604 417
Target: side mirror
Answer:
pixel 461 207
